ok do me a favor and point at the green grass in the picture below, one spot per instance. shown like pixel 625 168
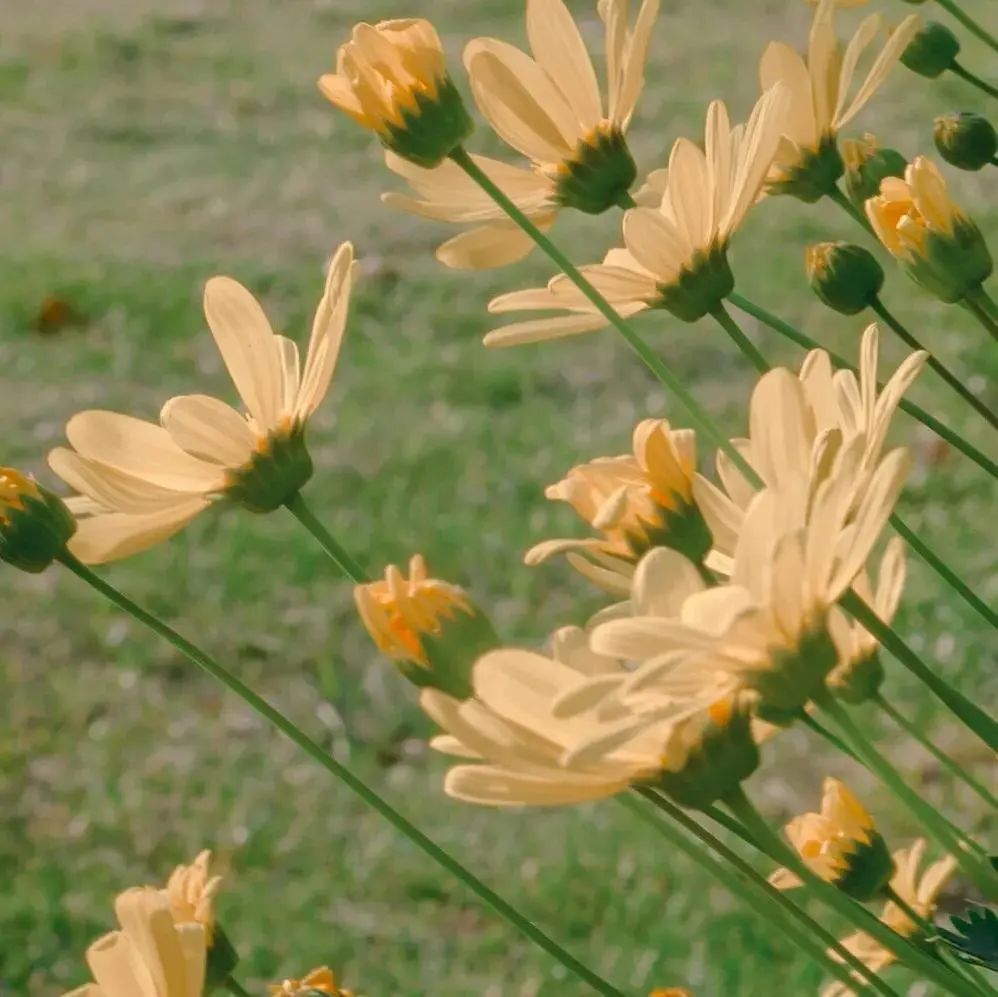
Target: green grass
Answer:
pixel 148 146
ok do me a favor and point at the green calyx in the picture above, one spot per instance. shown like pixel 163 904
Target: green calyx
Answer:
pixel 222 959
pixel 433 129
pixel 847 278
pixel 857 682
pixel 951 266
pixel 814 176
pixel 273 475
pixel 932 51
pixel 794 677
pixel 35 532
pixel 599 175
pixel 681 528
pixel 869 867
pixel 863 179
pixel 966 141
pixel 700 288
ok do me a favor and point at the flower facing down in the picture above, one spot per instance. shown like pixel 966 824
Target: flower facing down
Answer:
pixel 919 892
pixel 35 525
pixel 636 501
pixel 808 163
pixel 841 845
pixel 318 982
pixel 429 627
pixel 937 244
pixel 139 483
pixel 674 255
pixel 151 955
pixel 391 79
pixel 191 893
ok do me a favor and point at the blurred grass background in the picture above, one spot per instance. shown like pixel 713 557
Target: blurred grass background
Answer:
pixel 150 145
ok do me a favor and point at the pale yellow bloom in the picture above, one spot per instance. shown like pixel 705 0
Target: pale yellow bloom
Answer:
pixel 674 255
pixel 823 101
pixel 920 893
pixel 191 893
pixel 151 955
pixel 321 980
pixel 139 482
pixel 636 501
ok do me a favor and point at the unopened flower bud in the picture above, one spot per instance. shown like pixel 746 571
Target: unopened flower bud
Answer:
pixel 866 166
pixel 845 277
pixel 966 141
pixel 932 51
pixel 34 523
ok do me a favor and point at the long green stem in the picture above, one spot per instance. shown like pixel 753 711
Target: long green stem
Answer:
pixel 235 987
pixel 353 782
pixel 771 844
pixel 973 79
pixel 815 940
pixel 979 872
pixel 951 766
pixel 728 324
pixel 941 430
pixel 935 363
pixel 697 414
pixel 983 309
pixel 970 713
pixel 344 559
pixel 969 23
pixel 836 195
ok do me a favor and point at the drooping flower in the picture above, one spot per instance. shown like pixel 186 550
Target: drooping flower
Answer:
pixel 808 163
pixel 936 242
pixel 675 255
pixel 841 845
pixel 191 893
pixel 35 525
pixel 636 502
pixel 920 893
pixel 151 955
pixel 318 981
pixel 391 78
pixel 140 483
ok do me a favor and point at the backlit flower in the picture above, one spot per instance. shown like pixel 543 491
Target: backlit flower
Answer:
pixel 191 893
pixel 319 981
pixel 937 243
pixel 823 101
pixel 151 955
pixel 35 525
pixel 635 501
pixel 391 78
pixel 840 844
pixel 920 893
pixel 139 482
pixel 675 255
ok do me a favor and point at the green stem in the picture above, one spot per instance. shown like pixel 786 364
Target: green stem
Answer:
pixel 836 195
pixel 940 756
pixel 969 23
pixel 344 560
pixel 939 428
pixel 983 309
pixel 979 872
pixel 728 324
pixel 816 940
pixel 937 365
pixel 970 713
pixel 696 413
pixel 743 810
pixel 235 987
pixel 826 735
pixel 973 79
pixel 353 782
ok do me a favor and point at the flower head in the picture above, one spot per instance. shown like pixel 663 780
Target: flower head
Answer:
pixel 35 525
pixel 151 955
pixel 318 982
pixel 635 501
pixel 937 243
pixel 845 277
pixel 823 102
pixel 841 845
pixel 391 78
pixel 866 165
pixel 674 254
pixel 966 141
pixel 191 893
pixel 140 483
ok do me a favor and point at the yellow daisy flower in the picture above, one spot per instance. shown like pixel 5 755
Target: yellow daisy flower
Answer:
pixel 318 981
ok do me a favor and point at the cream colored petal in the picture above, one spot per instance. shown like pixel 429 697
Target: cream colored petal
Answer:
pixel 488 246
pixel 144 916
pixel 634 59
pixel 780 427
pixel 447 744
pixel 570 646
pixel 858 44
pixel 246 342
pixel 559 49
pixel 539 330
pixel 823 64
pixel 208 428
pixel 587 695
pixel 724 517
pixel 780 63
pixel 714 610
pixel 491 786
pixel 602 740
pixel 87 990
pixel 643 637
pixel 690 194
pixel 117 969
pixel 521 685
pixel 720 157
pixel 657 245
pixel 663 581
pixel 616 582
pixel 193 951
pixel 890 584
pixel 520 102
pixel 816 377
pixel 547 549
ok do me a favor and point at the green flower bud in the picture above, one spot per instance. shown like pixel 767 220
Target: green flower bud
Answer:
pixel 700 288
pixel 866 166
pixel 932 51
pixel 845 277
pixel 599 175
pixel 966 141
pixel 35 524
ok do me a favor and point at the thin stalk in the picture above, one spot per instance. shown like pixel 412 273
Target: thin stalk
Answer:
pixel 979 872
pixel 836 195
pixel 728 324
pixel 939 428
pixel 826 735
pixel 742 809
pixel 816 940
pixel 346 562
pixel 969 23
pixel 951 766
pixel 935 363
pixel 973 79
pixel 696 413
pixel 970 713
pixel 983 309
pixel 235 987
pixel 353 782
